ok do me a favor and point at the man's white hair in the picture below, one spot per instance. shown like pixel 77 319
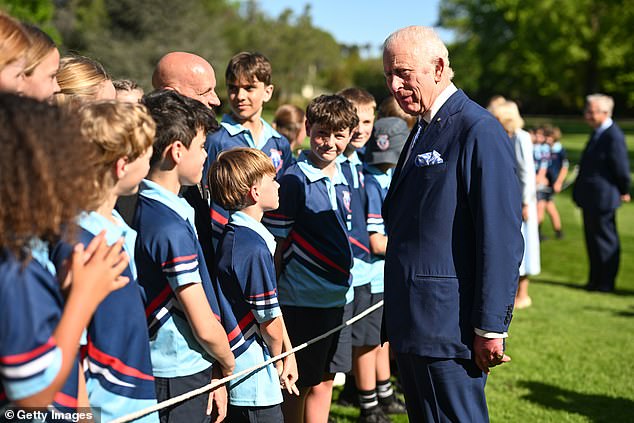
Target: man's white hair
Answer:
pixel 424 42
pixel 605 102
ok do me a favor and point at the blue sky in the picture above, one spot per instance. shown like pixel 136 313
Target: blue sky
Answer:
pixel 362 21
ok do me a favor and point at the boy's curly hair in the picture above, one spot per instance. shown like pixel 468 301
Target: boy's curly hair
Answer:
pixel 46 177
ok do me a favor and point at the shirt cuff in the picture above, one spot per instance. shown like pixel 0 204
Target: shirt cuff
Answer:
pixel 490 335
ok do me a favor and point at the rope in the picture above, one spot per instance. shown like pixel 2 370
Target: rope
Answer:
pixel 187 395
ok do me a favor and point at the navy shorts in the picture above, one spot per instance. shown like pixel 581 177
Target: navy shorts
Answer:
pixel 241 414
pixel 367 331
pixel 341 361
pixel 192 410
pixel 304 324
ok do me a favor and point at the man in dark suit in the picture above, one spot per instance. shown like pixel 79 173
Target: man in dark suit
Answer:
pixel 602 184
pixel 453 218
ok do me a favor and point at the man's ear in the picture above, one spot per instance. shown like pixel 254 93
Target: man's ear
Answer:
pixel 438 69
pixel 268 92
pixel 121 167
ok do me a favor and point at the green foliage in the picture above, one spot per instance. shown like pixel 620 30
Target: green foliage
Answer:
pixel 548 53
pixel 37 12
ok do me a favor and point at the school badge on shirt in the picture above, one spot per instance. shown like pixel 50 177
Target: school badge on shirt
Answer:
pixel 276 159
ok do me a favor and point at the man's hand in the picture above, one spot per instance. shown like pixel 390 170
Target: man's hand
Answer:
pixel 489 352
pixel 626 198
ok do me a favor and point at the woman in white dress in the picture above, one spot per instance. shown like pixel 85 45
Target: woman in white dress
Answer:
pixel 509 116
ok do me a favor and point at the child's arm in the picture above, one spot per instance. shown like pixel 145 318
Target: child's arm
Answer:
pixel 273 334
pixel 207 329
pixel 289 375
pixel 96 272
pixel 561 178
pixel 378 243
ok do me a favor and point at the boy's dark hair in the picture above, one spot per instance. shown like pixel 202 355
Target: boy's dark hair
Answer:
pixel 125 85
pixel 359 97
pixel 249 66
pixel 333 112
pixel 178 118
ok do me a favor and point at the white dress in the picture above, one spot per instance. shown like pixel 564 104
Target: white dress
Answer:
pixel 531 264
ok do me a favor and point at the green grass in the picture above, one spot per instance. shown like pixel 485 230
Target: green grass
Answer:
pixel 572 350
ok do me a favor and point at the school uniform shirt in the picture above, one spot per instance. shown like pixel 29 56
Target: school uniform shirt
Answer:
pixel 246 276
pixel 558 160
pixel 116 355
pixel 313 218
pixel 376 187
pixel 357 205
pixel 168 256
pixel 231 135
pixel 31 306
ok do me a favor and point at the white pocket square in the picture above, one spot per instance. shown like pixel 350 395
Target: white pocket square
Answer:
pixel 428 159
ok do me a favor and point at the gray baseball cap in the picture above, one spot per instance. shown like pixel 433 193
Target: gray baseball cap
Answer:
pixel 387 141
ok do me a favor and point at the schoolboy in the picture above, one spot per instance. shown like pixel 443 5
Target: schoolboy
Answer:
pixel 41 192
pixel 365 104
pixel 249 87
pixel 313 255
pixel 242 180
pixel 116 354
pixel 368 358
pixel 556 174
pixel 382 153
pixel 185 336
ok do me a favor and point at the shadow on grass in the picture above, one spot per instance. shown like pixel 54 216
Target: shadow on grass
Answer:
pixel 577 286
pixel 597 408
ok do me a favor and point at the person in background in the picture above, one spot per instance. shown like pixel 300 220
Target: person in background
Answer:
pixel 602 185
pixel 389 108
pixel 127 90
pixel 556 173
pixel 82 79
pixel 290 121
pixel 40 73
pixel 509 116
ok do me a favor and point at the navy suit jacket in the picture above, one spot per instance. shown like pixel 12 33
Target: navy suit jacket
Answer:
pixel 455 244
pixel 604 172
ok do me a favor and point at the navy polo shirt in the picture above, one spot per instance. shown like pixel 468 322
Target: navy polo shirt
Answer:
pixel 168 256
pixel 231 135
pixel 31 306
pixel 314 220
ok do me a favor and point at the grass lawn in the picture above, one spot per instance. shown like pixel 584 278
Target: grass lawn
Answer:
pixel 572 351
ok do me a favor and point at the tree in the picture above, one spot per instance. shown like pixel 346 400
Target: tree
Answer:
pixel 546 53
pixel 37 12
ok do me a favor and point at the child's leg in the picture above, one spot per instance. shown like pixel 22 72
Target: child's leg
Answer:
pixel 541 206
pixel 522 300
pixel 555 219
pixel 318 401
pixel 293 406
pixel 385 393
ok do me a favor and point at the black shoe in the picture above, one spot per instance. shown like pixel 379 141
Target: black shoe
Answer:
pixel 559 234
pixel 373 415
pixel 393 405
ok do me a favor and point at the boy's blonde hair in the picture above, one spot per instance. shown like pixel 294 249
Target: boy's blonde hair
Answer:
pixel 14 42
pixel 234 173
pixel 118 130
pixel 79 78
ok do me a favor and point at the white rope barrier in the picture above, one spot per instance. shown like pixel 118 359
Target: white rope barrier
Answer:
pixel 187 395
